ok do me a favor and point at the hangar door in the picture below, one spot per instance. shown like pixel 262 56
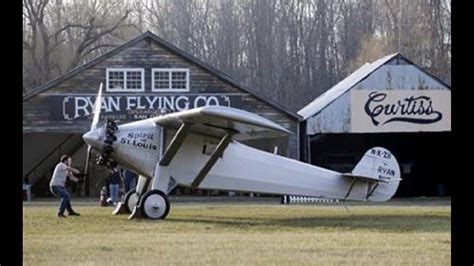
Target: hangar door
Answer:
pixel 424 157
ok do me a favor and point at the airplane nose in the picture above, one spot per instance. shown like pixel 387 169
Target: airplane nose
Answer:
pixel 92 139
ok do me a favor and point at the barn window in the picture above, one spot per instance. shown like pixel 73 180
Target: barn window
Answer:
pixel 170 79
pixel 125 79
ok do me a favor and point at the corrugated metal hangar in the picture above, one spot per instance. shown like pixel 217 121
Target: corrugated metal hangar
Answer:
pixel 391 103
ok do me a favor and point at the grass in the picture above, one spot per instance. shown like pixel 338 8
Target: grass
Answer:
pixel 241 233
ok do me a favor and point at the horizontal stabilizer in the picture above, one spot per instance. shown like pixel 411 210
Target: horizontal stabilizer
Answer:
pixel 369 178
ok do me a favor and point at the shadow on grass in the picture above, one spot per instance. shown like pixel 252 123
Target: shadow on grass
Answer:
pixel 390 223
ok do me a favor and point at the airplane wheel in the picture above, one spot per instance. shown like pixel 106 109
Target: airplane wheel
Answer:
pixel 131 199
pixel 155 205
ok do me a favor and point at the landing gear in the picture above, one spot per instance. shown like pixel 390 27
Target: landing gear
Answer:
pixel 130 200
pixel 155 205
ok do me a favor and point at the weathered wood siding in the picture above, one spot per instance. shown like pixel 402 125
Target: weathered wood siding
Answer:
pixel 145 54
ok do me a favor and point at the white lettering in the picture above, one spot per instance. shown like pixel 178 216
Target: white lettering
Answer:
pixel 81 106
pixel 169 103
pixel 81 103
pixel 151 101
pixel 104 104
pixel 198 100
pixel 181 99
pixel 139 105
pixel 115 103
pixel 160 103
pixel 212 101
pixel 131 104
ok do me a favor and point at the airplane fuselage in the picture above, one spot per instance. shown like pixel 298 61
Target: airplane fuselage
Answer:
pixel 243 168
pixel 139 147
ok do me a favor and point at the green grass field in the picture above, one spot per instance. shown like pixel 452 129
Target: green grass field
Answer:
pixel 397 233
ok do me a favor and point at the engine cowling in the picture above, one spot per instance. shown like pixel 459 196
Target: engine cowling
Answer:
pixel 105 158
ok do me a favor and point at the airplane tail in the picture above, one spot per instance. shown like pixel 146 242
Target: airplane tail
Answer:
pixel 379 168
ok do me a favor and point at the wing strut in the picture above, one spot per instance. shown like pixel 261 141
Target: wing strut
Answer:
pixel 210 163
pixel 350 188
pixel 371 186
pixel 175 143
pixel 370 192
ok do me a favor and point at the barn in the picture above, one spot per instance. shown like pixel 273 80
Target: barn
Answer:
pixel 142 78
pixel 392 103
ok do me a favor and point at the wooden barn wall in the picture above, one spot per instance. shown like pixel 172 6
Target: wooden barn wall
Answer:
pixel 147 54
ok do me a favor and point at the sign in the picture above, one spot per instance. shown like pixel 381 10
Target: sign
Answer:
pixel 75 107
pixel 400 110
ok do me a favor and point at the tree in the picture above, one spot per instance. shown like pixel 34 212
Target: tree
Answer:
pixel 58 36
pixel 289 50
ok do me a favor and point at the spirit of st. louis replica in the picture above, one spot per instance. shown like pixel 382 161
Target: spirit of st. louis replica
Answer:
pixel 199 148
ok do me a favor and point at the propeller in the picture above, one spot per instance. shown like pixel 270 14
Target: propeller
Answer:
pixel 95 120
pixel 97 106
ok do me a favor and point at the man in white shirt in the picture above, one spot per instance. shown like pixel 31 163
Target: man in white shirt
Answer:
pixel 58 181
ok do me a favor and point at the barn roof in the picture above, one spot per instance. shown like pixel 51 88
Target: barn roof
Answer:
pixel 325 99
pixel 221 75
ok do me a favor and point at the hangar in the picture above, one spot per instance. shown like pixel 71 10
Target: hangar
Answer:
pixel 142 78
pixel 392 103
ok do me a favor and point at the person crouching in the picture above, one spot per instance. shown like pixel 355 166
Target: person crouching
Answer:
pixel 62 171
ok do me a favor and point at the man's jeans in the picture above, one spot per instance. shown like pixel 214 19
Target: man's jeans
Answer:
pixel 65 198
pixel 114 192
pixel 130 183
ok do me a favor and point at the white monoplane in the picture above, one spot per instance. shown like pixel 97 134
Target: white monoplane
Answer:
pixel 199 148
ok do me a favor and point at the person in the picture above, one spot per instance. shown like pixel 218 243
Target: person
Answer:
pixel 129 180
pixel 114 184
pixel 62 171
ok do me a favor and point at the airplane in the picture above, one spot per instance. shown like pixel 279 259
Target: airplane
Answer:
pixel 200 148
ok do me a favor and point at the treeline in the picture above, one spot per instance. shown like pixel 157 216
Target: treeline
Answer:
pixel 288 50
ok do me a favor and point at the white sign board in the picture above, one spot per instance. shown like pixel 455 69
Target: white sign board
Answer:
pixel 400 110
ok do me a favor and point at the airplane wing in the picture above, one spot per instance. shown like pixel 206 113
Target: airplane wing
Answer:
pixel 218 121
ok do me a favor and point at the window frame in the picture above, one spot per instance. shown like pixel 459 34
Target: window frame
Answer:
pixel 125 70
pixel 170 71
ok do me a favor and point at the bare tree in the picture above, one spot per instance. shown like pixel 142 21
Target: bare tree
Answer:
pixel 59 35
pixel 289 50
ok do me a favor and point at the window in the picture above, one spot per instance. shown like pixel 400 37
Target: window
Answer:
pixel 170 79
pixel 125 79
